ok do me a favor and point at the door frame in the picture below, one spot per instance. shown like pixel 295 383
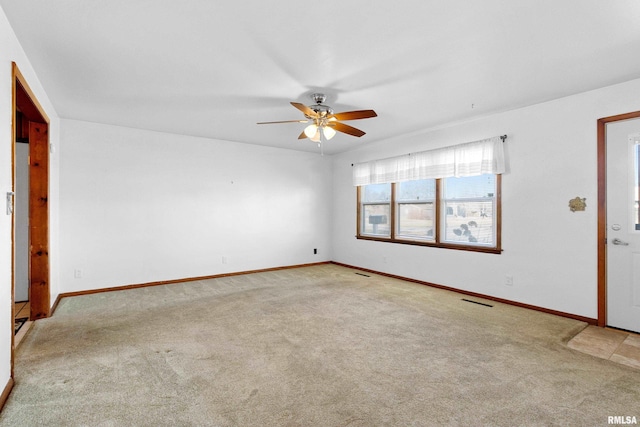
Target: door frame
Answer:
pixel 24 99
pixel 602 211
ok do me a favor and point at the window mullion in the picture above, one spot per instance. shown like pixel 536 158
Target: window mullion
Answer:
pixel 359 211
pixel 437 215
pixel 392 212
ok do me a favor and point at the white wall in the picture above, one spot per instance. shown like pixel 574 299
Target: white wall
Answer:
pixel 550 252
pixel 11 51
pixel 140 206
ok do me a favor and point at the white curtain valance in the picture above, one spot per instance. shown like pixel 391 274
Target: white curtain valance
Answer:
pixel 472 158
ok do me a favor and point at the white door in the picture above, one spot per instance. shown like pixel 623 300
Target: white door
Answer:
pixel 623 224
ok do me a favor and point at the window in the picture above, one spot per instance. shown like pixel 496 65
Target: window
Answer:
pixel 415 209
pixel 447 197
pixel 376 210
pixel 460 213
pixel 469 210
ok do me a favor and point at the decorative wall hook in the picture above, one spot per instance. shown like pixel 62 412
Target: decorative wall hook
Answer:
pixel 577 204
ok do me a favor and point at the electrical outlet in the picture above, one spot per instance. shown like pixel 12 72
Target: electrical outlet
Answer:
pixel 224 260
pixel 508 280
pixel 77 273
pixel 315 251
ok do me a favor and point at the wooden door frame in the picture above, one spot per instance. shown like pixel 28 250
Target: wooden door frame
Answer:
pixel 602 211
pixel 39 269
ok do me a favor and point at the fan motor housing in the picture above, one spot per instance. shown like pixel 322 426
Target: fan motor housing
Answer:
pixel 320 109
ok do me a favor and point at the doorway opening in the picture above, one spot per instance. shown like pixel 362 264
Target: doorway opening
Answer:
pixel 30 127
pixel 602 211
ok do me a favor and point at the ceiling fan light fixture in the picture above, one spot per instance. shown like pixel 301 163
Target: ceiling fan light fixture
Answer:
pixel 311 130
pixel 328 132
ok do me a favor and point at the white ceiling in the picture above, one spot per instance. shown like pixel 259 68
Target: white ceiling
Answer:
pixel 215 68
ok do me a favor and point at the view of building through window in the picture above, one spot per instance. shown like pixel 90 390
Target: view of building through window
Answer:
pixel 416 209
pixel 376 209
pixel 469 209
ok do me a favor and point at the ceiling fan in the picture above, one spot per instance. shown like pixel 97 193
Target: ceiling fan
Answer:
pixel 324 122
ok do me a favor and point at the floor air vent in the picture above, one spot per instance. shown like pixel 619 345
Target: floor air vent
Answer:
pixel 476 302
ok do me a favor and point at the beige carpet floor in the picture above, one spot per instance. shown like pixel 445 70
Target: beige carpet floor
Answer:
pixel 313 346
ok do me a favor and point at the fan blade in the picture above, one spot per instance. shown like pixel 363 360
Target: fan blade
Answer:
pixel 341 127
pixel 283 121
pixel 355 115
pixel 306 110
pixel 302 135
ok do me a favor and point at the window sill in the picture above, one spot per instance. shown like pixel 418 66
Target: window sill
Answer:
pixel 469 248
